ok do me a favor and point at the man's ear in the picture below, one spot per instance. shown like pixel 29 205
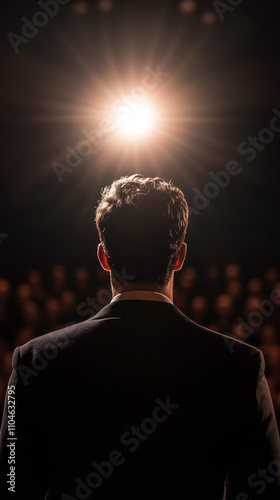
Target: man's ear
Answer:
pixel 102 258
pixel 181 257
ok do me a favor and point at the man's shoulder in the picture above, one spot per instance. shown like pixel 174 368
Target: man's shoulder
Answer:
pixel 226 353
pixel 225 341
pixel 35 356
pixel 49 344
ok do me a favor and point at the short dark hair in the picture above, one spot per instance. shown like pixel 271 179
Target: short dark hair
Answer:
pixel 142 222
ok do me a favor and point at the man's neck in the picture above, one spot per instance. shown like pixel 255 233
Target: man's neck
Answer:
pixel 166 290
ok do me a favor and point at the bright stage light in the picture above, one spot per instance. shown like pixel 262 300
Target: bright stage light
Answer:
pixel 138 120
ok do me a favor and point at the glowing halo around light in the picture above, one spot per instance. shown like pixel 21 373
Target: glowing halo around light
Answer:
pixel 138 121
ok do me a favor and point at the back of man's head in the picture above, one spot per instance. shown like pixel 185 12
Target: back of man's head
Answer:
pixel 142 223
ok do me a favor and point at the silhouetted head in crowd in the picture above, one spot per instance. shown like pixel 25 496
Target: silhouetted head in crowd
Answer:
pixel 271 276
pixel 251 305
pixel 232 272
pixel 198 308
pixel 34 278
pixel 58 279
pixel 53 312
pixel 212 276
pixel 224 306
pixel 234 289
pixel 5 289
pixel 35 281
pixel 82 281
pixel 68 302
pixel 31 314
pixel 273 361
pixel 142 225
pixel 254 287
pixel 187 280
pixel 268 334
pixel 23 293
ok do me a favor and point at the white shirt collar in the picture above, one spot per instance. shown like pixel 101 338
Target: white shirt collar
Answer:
pixel 141 295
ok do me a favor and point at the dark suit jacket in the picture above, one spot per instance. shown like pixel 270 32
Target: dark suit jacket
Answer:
pixel 139 401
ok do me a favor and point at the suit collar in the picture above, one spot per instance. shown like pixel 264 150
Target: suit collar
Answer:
pixel 138 308
pixel 142 295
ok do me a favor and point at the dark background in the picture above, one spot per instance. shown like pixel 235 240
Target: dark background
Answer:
pixel 223 83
